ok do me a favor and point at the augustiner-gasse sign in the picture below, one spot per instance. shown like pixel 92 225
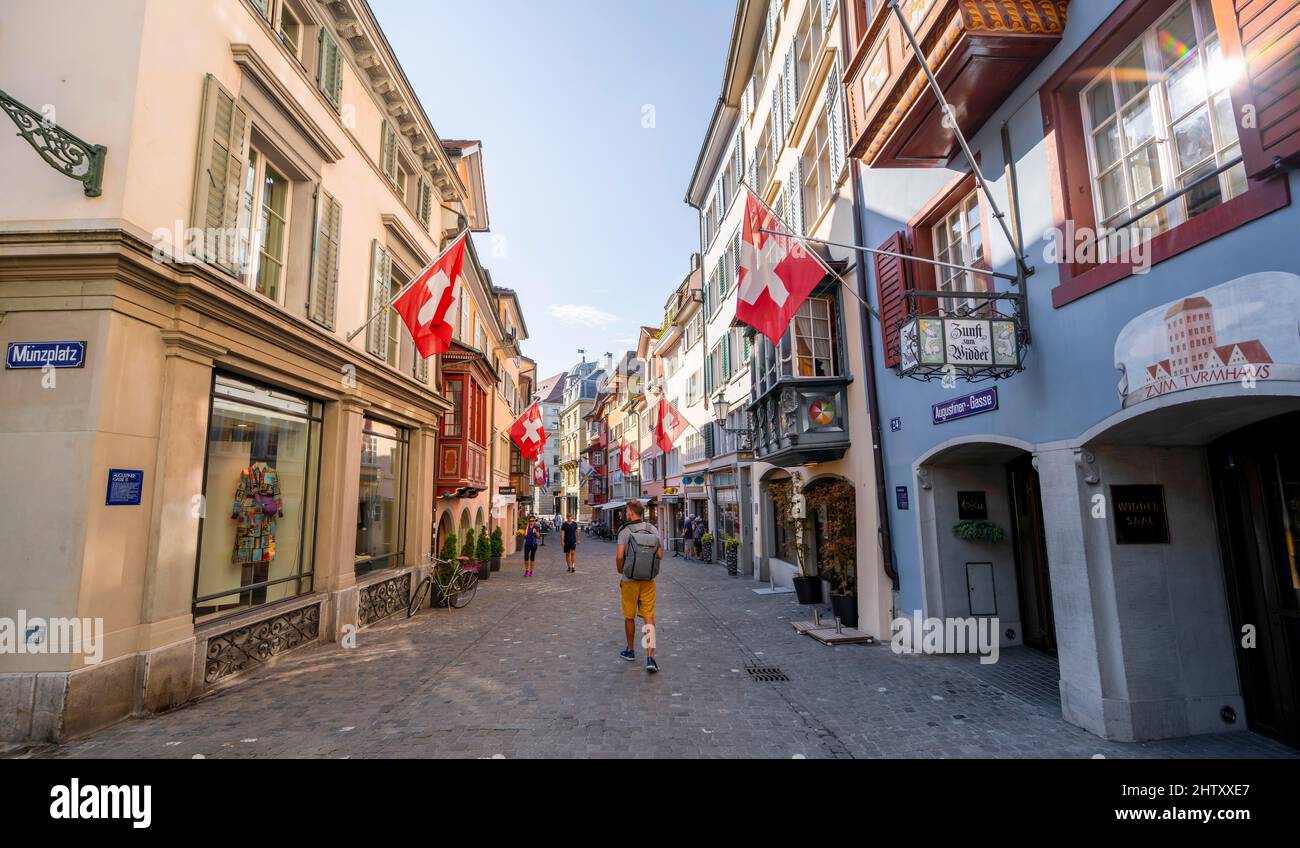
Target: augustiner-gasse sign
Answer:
pixel 1242 331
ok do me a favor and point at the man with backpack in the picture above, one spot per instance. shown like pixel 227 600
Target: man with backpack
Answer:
pixel 639 555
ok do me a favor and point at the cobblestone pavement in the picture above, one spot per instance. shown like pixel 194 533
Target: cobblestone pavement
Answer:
pixel 531 669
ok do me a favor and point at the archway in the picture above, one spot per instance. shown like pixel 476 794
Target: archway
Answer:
pixel 446 525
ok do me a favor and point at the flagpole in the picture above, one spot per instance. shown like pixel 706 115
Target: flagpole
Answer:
pixel 791 234
pixel 352 335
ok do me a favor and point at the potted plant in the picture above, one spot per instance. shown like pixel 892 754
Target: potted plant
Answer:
pixel 467 548
pixel 731 545
pixel 450 549
pixel 979 530
pixel 706 547
pixel 483 555
pixel 498 549
pixel 839 573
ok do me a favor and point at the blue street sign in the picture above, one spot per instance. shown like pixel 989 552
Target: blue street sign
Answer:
pixel 895 424
pixel 985 400
pixel 40 354
pixel 124 487
pixel 900 493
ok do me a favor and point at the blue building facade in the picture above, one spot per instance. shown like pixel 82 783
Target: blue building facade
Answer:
pixel 1129 498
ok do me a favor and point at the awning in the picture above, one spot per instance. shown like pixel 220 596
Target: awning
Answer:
pixel 613 505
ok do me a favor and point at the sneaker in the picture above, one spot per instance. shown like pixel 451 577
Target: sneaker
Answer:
pixel 630 656
pixel 650 665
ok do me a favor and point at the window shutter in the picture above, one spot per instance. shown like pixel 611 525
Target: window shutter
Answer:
pixel 735 255
pixel 747 349
pixel 721 280
pixel 1265 42
pixel 381 267
pixel 788 88
pixel 329 68
pixel 218 177
pixel 388 152
pixel 738 160
pixel 708 375
pixel 891 281
pixel 708 295
pixel 707 432
pixel 751 172
pixel 321 304
pixel 835 120
pixel 421 368
pixel 828 6
pixel 794 191
pixel 425 199
pixel 726 359
pixel 773 10
pixel 778 123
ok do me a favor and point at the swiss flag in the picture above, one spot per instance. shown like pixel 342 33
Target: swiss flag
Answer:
pixel 777 273
pixel 424 303
pixel 669 424
pixel 539 474
pixel 627 456
pixel 528 432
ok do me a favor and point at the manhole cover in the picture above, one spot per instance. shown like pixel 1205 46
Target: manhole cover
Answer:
pixel 766 673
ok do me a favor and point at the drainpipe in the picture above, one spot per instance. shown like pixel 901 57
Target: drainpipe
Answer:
pixel 860 257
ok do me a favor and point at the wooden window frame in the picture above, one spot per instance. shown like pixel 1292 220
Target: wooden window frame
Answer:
pixel 1073 205
pixel 920 232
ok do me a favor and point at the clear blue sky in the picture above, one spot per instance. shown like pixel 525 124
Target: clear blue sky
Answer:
pixel 588 222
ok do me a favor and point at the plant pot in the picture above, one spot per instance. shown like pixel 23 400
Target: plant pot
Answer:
pixel 496 563
pixel 733 556
pixel 483 573
pixel 706 553
pixel 808 589
pixel 845 608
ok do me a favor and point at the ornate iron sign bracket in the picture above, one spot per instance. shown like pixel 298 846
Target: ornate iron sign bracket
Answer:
pixel 64 151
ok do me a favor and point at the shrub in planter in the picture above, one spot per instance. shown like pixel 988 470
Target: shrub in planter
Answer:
pixel 731 545
pixel 468 546
pixel 706 547
pixel 450 551
pixel 978 530
pixel 498 549
pixel 483 555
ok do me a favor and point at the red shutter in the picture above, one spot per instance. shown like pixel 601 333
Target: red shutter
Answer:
pixel 1265 36
pixel 891 281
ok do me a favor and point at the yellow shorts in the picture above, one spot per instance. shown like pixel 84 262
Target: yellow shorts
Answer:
pixel 638 598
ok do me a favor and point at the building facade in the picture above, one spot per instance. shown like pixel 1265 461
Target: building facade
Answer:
pixel 549 396
pixel 1135 454
pixel 580 384
pixel 244 459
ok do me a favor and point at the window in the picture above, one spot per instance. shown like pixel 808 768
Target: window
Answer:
pixel 1160 118
pixel 814 338
pixel 693 387
pixel 264 227
pixel 959 239
pixel 815 168
pixel 291 31
pixel 808 42
pixel 763 156
pixel 694 330
pixel 451 419
pixel 381 496
pixel 263 458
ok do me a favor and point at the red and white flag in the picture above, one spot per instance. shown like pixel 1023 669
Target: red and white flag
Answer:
pixel 423 304
pixel 669 424
pixel 777 273
pixel 540 476
pixel 627 456
pixel 528 432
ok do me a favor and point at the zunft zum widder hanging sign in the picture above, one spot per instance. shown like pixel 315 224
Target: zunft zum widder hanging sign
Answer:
pixel 971 348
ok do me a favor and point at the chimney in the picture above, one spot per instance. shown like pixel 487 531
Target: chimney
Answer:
pixel 607 363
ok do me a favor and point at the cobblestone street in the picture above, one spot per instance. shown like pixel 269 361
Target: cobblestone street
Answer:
pixel 531 669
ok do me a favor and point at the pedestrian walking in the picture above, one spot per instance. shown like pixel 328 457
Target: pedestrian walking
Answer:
pixel 637 561
pixel 569 538
pixel 532 539
pixel 688 536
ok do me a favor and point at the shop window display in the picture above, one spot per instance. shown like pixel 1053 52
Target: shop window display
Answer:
pixel 381 496
pixel 260 494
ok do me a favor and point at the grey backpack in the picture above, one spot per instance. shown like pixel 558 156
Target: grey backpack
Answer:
pixel 641 553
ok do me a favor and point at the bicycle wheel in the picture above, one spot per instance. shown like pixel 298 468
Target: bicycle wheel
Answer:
pixel 462 590
pixel 417 600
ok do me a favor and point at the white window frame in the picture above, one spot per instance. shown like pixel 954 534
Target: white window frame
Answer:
pixel 965 252
pixel 1224 143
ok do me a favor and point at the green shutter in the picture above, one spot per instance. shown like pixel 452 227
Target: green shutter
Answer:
pixel 424 196
pixel 329 68
pixel 745 335
pixel 795 209
pixel 388 152
pixel 726 358
pixel 708 375
pixel 835 120
pixel 218 178
pixel 322 302
pixel 381 269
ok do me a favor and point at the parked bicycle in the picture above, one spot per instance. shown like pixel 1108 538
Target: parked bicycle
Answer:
pixel 458 586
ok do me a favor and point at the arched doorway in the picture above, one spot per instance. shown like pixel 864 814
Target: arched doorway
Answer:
pixel 446 526
pixel 984 546
pixel 1255 473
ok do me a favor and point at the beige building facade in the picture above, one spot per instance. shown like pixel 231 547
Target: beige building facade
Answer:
pixel 243 463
